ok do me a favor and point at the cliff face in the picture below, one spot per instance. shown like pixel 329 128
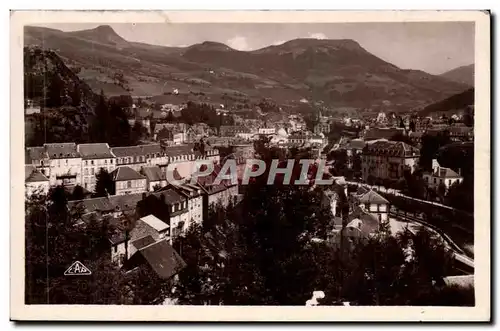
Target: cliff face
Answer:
pixel 50 83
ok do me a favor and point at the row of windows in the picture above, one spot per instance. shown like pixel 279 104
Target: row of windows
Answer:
pixel 142 158
pixel 92 162
pixel 441 181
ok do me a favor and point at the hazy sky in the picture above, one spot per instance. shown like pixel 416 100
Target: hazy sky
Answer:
pixel 434 47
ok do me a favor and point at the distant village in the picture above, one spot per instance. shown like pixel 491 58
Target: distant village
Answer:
pixel 378 150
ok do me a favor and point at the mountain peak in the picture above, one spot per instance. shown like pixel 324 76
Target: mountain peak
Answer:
pixel 210 46
pixel 105 29
pixel 104 34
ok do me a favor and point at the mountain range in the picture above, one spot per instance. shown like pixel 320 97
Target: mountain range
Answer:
pixel 463 74
pixel 339 73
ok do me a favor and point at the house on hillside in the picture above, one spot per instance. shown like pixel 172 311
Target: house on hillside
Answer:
pixel 441 175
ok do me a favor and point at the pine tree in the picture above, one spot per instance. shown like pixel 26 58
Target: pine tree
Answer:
pixel 104 185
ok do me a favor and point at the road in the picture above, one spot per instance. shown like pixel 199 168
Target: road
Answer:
pixel 458 253
pixel 398 193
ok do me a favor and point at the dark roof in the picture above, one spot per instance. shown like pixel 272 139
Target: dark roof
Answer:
pixel 369 222
pixel 143 242
pixel 380 133
pixel 391 148
pixel 153 173
pixel 32 175
pixel 95 151
pixel 138 150
pixel 179 150
pixel 35 154
pixel 102 204
pixel 170 196
pixel 61 150
pixel 162 258
pixel 127 202
pixel 125 173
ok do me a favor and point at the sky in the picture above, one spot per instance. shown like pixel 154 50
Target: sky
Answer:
pixel 434 47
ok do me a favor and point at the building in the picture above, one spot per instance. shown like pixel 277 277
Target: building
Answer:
pixel 179 213
pixel 384 159
pixel 155 176
pixel 160 257
pixel 144 231
pixel 441 175
pixel 194 195
pixel 38 158
pixel 322 127
pixel 35 181
pixel 128 181
pixel 374 203
pixel 65 164
pixel 140 156
pixel 94 158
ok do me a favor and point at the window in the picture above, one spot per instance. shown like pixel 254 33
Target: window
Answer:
pixel 434 180
pixel 92 162
pixel 86 162
pixel 92 171
pixel 105 161
pixel 129 184
pixel 86 171
pixel 110 161
pixel 115 249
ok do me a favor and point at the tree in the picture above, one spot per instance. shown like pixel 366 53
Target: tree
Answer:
pixel 357 165
pixel 441 191
pixel 55 91
pixel 104 185
pixel 54 241
pixel 78 193
pixel 75 96
pixel 430 145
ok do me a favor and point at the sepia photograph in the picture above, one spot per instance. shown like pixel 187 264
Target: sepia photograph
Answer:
pixel 198 160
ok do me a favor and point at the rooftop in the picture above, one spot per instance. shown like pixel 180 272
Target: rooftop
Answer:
pixel 153 173
pixel 125 173
pixel 372 197
pixel 161 257
pixel 62 150
pixel 155 223
pixel 95 151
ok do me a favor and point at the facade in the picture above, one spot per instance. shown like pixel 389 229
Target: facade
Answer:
pixel 441 175
pixel 388 160
pixel 94 158
pixel 194 196
pixel 140 156
pixel 179 213
pixel 65 164
pixel 128 181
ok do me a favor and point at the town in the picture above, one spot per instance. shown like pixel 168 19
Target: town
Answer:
pixel 383 215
